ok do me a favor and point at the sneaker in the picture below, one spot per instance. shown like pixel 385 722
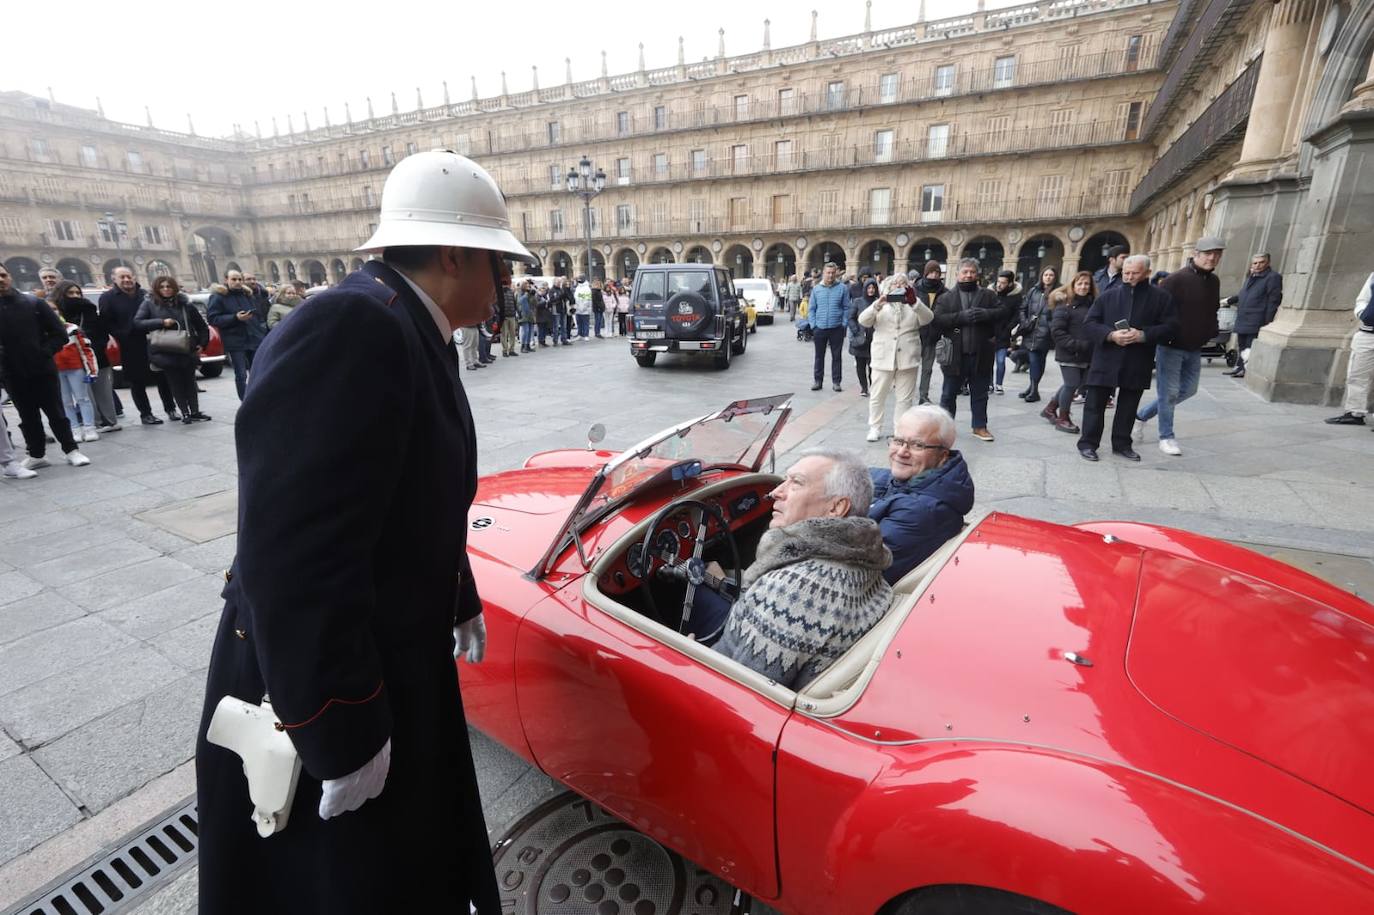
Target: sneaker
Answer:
pixel 33 463
pixel 109 427
pixel 1139 433
pixel 77 459
pixel 149 419
pixel 997 389
pixel 872 434
pixel 17 471
pixel 1346 419
pixel 88 434
pixel 200 417
pixel 983 435
pixel 1170 447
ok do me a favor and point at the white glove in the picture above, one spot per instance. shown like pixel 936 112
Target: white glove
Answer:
pixel 472 638
pixel 340 795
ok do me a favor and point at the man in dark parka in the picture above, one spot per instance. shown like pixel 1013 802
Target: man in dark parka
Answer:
pixel 352 580
pixel 1123 358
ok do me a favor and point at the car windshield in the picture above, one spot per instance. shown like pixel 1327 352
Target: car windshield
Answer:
pixel 662 285
pixel 739 436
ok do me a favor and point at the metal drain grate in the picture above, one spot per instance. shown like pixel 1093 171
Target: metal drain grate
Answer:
pixel 118 879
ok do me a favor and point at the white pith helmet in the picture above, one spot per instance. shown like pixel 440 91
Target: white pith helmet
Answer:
pixel 442 198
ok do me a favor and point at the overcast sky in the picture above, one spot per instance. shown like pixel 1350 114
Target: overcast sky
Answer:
pixel 246 60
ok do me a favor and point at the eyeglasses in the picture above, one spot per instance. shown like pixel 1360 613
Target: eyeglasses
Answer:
pixel 915 445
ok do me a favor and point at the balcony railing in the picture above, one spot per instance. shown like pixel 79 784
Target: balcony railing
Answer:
pixel 1222 123
pixel 1016 209
pixel 1194 56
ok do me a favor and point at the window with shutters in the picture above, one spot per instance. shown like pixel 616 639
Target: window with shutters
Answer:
pixel 1049 197
pixel 887 88
pixel 594 218
pixel 38 148
pixel 782 154
pixel 937 141
pixel 988 191
pixel 698 161
pixel 696 214
pixel 661 165
pixel 781 210
pixel 659 213
pixel 624 217
pixel 556 222
pixel 932 203
pixel 388 157
pixel 741 108
pixel 944 80
pixel 555 132
pixel 1134 46
pixel 880 206
pixel 622 170
pixel 1129 115
pixel 412 148
pixel 1004 72
pixel 11 226
pixel 834 95
pixel 999 133
pixel 136 162
pixel 369 196
pixel 739 159
pixel 622 123
pixel 739 212
pixel 1070 56
pixel 154 235
pixel 66 230
pixel 828 201
pixel 556 177
pixel 462 144
pixel 365 158
pixel 660 117
pixel 883 143
pixel 787 101
pixel 700 112
pixel 1116 183
pixel 1061 126
pixel 89 157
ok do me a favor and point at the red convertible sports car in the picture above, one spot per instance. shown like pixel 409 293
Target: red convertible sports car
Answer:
pixel 1107 717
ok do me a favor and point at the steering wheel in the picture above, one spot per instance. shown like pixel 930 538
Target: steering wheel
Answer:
pixel 693 571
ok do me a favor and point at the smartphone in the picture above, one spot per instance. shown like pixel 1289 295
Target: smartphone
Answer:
pixel 1123 324
pixel 896 297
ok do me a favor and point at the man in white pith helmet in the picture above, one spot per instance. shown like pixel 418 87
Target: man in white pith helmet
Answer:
pixel 357 465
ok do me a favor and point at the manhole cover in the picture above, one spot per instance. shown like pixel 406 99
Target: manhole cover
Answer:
pixel 570 857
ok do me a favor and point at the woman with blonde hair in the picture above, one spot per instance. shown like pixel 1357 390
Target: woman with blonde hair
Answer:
pixel 895 352
pixel 283 302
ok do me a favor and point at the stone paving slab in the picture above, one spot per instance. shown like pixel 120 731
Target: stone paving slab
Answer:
pixel 168 608
pixel 199 520
pixel 96 560
pixel 147 737
pixel 56 650
pixel 128 583
pixel 33 614
pixel 34 808
pixel 51 707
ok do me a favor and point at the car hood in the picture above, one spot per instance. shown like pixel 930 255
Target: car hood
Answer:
pixel 1270 672
pixel 517 513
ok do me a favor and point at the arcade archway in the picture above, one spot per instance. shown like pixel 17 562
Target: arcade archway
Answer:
pixel 75 269
pixel 739 260
pixel 1037 253
pixel 877 257
pixel 780 262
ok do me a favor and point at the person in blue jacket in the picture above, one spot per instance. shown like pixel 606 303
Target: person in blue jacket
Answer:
pixel 920 500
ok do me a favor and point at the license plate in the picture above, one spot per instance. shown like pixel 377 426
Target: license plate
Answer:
pixel 650 334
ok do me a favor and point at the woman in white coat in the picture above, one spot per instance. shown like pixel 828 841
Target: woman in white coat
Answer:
pixel 896 349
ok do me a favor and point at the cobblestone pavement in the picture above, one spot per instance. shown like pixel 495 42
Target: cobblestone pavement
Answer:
pixel 109 574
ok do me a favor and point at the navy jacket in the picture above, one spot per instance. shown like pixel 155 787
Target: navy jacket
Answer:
pixel 223 310
pixel 918 515
pixel 1148 308
pixel 1105 282
pixel 351 572
pixel 1258 302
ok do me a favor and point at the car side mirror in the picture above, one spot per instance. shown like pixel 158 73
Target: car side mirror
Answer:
pixel 595 434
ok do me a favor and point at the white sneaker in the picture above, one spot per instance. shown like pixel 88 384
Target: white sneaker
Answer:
pixel 88 434
pixel 17 471
pixel 872 434
pixel 33 463
pixel 1170 447
pixel 1139 434
pixel 77 459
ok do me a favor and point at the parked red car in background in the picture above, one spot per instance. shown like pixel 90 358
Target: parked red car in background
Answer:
pixel 211 358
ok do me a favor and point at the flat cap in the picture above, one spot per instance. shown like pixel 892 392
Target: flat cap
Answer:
pixel 1210 243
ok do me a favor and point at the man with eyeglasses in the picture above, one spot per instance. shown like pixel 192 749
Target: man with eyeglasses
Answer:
pixel 920 500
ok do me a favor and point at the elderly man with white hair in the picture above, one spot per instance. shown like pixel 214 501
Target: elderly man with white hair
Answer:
pixel 921 498
pixel 816 585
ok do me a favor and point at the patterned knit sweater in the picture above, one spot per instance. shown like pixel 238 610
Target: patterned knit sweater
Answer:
pixel 815 588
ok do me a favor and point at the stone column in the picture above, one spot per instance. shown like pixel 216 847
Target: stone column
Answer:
pixel 1362 99
pixel 1276 99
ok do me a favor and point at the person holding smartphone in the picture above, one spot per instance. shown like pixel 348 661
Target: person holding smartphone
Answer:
pixel 242 323
pixel 1125 323
pixel 895 350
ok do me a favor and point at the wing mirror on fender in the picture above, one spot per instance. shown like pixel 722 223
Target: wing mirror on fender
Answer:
pixel 595 434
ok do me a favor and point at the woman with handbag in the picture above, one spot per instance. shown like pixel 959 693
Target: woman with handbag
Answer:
pixel 1034 328
pixel 895 350
pixel 176 334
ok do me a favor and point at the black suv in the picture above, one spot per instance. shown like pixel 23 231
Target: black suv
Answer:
pixel 686 308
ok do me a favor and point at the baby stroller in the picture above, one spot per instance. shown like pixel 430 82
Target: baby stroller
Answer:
pixel 1221 344
pixel 804 332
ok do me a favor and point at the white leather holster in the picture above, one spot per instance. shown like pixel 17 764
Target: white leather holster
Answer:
pixel 270 760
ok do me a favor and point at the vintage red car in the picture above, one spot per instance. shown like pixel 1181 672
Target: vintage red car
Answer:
pixel 212 358
pixel 1108 717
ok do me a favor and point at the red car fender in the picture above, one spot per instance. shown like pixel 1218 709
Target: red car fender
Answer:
pixel 1085 835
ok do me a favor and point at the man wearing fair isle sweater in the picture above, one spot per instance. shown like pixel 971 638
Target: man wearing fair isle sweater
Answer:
pixel 817 583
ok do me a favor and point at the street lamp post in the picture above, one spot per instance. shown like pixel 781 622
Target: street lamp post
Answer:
pixel 116 227
pixel 582 182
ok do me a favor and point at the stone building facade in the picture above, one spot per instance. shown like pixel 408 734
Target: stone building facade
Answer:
pixel 1026 136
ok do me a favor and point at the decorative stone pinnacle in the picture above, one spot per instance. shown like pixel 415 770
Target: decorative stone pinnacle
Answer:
pixel 767 42
pixel 814 16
